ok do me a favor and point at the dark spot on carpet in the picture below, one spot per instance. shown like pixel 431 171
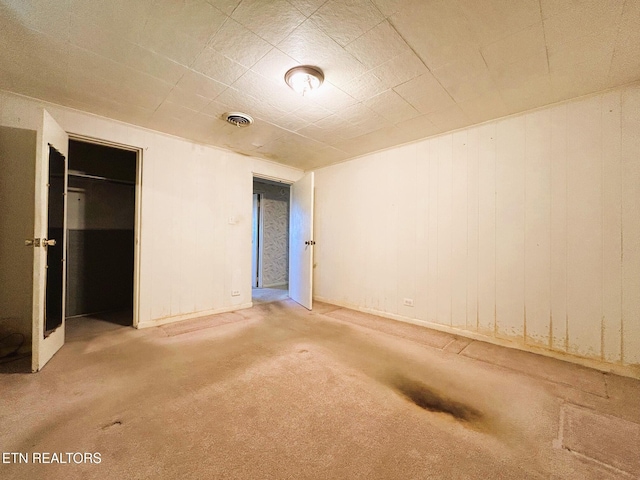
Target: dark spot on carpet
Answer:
pixel 303 351
pixel 112 424
pixel 433 401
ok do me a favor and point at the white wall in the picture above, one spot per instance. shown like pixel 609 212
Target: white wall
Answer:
pixel 524 231
pixel 192 256
pixel 16 217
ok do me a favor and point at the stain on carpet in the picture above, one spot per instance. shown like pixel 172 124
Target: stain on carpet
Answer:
pixel 433 401
pixel 112 424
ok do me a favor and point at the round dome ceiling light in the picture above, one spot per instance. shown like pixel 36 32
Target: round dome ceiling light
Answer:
pixel 304 79
pixel 238 119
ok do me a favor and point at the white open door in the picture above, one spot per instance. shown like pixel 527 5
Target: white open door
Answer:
pixel 301 241
pixel 49 242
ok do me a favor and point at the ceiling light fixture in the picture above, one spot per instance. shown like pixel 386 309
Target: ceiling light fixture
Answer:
pixel 304 79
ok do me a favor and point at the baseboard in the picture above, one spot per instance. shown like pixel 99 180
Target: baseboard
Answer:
pixel 632 371
pixel 203 313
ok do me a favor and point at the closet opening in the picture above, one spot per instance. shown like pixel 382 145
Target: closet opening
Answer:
pixel 101 233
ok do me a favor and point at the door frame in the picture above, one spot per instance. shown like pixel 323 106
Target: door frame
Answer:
pixel 259 238
pixel 288 183
pixel 138 213
pixel 285 182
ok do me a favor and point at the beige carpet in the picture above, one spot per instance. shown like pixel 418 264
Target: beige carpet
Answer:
pixel 277 392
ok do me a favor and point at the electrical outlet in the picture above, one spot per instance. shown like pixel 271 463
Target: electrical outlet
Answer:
pixel 235 293
pixel 408 302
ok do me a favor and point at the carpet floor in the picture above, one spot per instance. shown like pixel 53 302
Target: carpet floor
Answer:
pixel 278 392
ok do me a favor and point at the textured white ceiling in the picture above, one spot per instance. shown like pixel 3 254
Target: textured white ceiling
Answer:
pixel 396 70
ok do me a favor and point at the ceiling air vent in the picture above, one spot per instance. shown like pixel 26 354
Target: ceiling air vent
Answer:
pixel 238 119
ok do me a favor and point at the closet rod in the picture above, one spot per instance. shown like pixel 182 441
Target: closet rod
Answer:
pixel 96 177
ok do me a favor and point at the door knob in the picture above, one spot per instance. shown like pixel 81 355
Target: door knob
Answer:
pixel 48 243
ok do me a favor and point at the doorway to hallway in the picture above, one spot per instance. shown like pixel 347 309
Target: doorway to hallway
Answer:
pixel 270 241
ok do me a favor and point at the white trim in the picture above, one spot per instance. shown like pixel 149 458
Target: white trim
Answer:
pixel 624 370
pixel 99 141
pixel 137 239
pixel 260 253
pixel 288 183
pixel 204 313
pixel 261 176
pixel 257 239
